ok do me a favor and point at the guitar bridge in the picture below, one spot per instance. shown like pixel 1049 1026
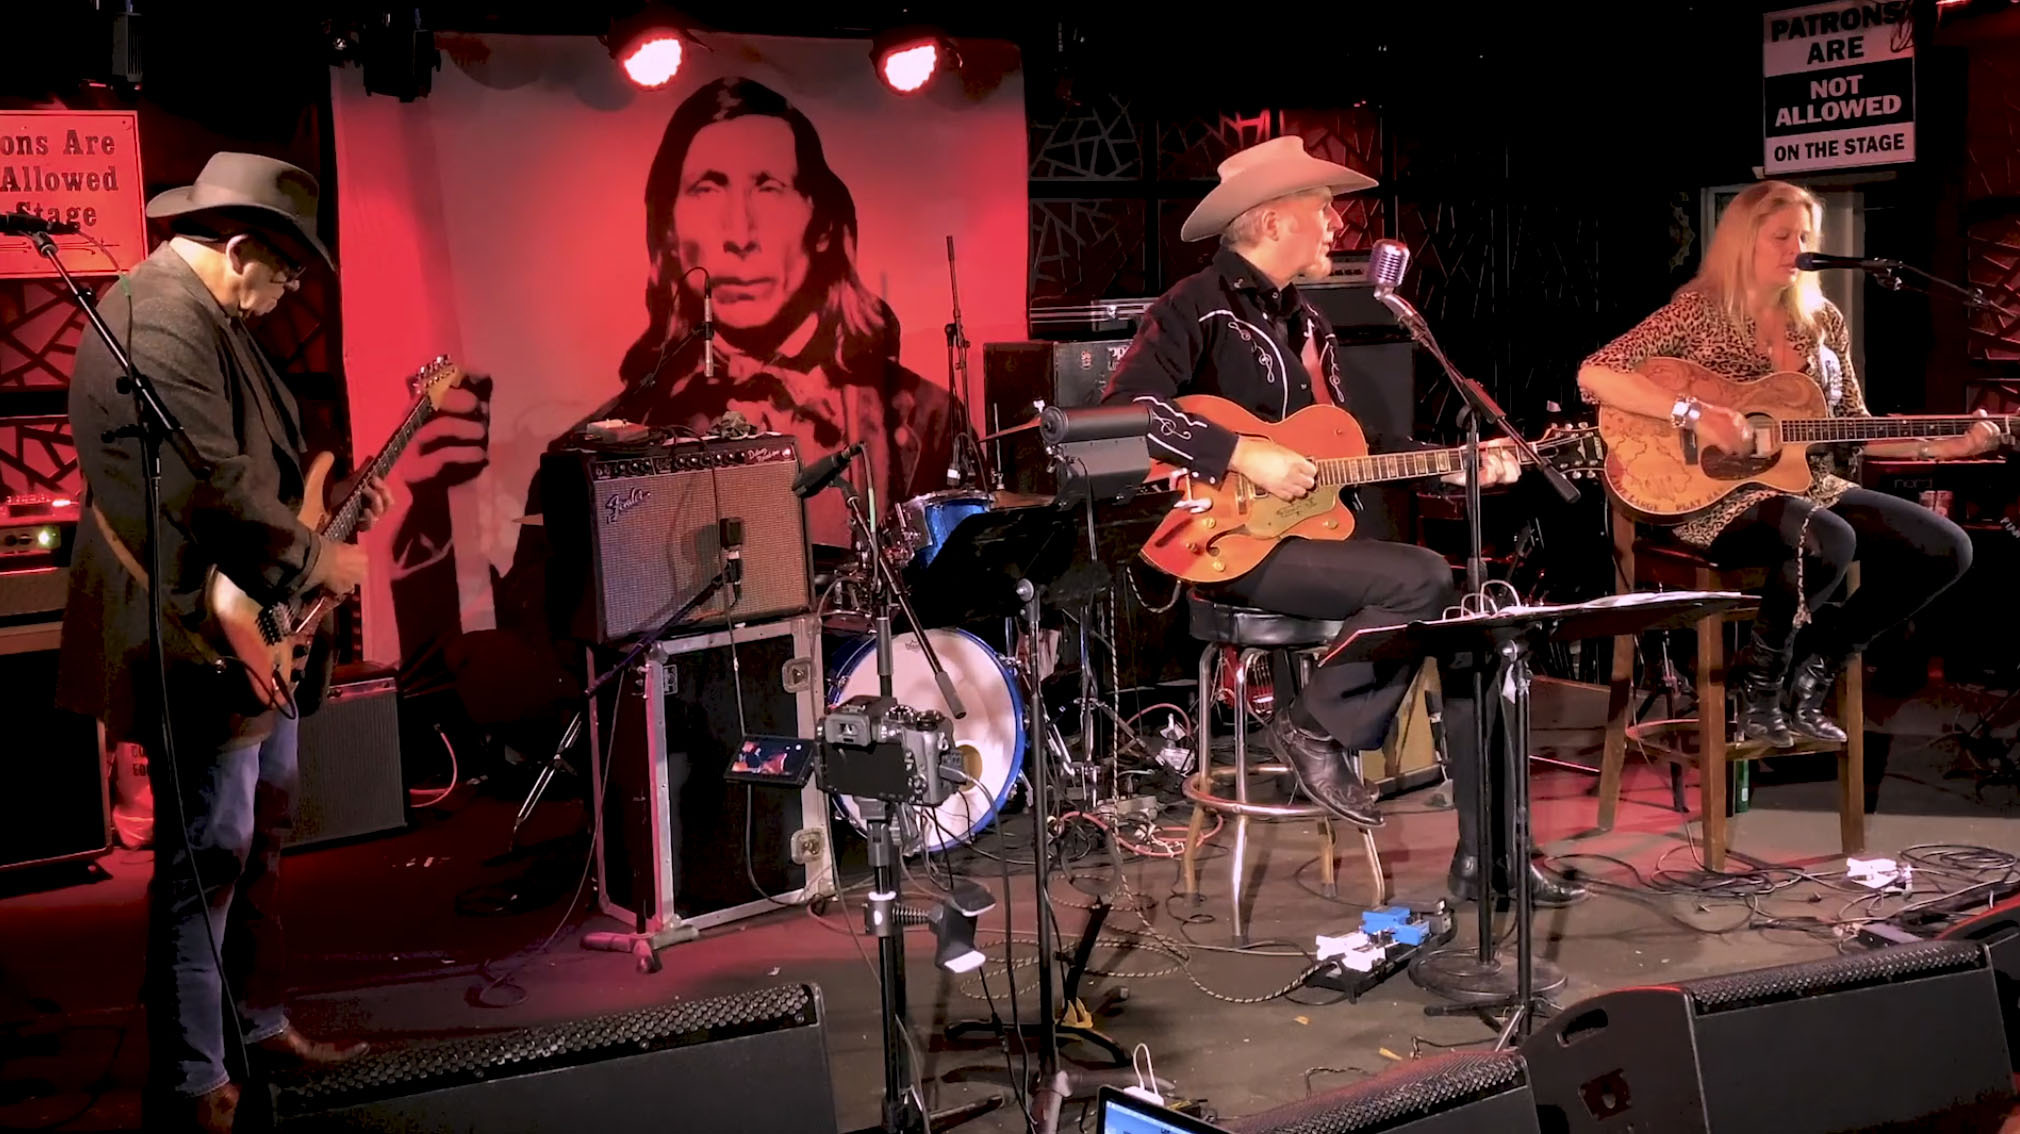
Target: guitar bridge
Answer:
pixel 270 625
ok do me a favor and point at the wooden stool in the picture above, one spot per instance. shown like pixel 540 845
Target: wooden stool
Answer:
pixel 1653 564
pixel 1254 634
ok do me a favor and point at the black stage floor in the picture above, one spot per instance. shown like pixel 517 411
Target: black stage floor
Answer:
pixel 431 932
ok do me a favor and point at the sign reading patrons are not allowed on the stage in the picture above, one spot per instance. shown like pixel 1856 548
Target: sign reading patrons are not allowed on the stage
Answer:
pixel 79 167
pixel 1838 86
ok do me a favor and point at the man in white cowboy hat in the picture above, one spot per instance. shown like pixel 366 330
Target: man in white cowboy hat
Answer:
pixel 1239 329
pixel 244 234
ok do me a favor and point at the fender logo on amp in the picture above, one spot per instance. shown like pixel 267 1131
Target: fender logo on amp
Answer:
pixel 624 502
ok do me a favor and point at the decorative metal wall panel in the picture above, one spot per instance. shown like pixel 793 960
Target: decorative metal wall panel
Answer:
pixel 38 456
pixel 1088 249
pixel 1353 137
pixel 1992 262
pixel 39 325
pixel 1177 258
pixel 1191 149
pixel 1550 309
pixel 1098 140
pixel 1992 123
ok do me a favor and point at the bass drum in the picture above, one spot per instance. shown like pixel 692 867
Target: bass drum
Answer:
pixel 991 738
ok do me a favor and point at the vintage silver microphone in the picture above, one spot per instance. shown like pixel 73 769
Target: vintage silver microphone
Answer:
pixel 1387 265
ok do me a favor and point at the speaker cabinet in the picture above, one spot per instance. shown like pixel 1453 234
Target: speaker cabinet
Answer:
pixel 54 807
pixel 757 1061
pixel 352 781
pixel 682 846
pixel 1460 1093
pixel 1906 1038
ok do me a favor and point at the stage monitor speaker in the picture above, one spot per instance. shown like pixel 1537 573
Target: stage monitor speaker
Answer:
pixel 54 807
pixel 1460 1093
pixel 633 534
pixel 1903 1038
pixel 352 780
pixel 756 1061
pixel 1998 930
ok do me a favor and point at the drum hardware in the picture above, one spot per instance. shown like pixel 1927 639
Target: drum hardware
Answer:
pixel 1094 456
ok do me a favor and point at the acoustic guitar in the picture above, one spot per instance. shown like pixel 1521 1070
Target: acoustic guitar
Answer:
pixel 1221 531
pixel 275 642
pixel 1663 475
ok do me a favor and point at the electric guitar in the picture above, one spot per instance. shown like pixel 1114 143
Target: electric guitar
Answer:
pixel 1663 474
pixel 275 642
pixel 1221 531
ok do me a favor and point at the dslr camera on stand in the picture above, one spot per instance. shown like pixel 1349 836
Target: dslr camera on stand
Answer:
pixel 876 748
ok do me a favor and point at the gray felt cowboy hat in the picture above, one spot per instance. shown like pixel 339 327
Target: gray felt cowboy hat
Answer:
pixel 265 192
pixel 1266 171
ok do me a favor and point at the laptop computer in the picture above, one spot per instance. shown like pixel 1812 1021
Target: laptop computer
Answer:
pixel 1120 1113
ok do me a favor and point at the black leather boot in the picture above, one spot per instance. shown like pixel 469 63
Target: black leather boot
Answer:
pixel 1545 890
pixel 1755 680
pixel 1808 691
pixel 1322 770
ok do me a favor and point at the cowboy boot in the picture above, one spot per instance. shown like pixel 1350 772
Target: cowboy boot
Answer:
pixel 1809 690
pixel 1320 764
pixel 290 1050
pixel 1755 680
pixel 212 1112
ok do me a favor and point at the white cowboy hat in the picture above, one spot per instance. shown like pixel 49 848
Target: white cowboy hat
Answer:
pixel 1279 167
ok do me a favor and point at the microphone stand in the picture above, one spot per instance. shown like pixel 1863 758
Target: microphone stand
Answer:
pixel 731 575
pixel 1888 275
pixel 958 384
pixel 1483 973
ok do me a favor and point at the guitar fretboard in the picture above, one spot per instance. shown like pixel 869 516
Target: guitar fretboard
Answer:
pixel 1375 467
pixel 343 522
pixel 1829 429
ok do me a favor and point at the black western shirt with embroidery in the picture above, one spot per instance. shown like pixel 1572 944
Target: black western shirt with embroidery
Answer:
pixel 1225 330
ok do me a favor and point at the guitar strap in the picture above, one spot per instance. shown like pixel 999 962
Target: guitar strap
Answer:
pixel 118 546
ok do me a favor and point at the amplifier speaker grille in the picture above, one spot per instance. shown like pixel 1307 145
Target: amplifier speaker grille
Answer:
pixel 634 538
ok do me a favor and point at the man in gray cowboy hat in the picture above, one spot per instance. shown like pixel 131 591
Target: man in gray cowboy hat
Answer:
pixel 243 235
pixel 1240 330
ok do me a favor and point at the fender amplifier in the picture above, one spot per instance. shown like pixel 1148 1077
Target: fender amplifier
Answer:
pixel 632 534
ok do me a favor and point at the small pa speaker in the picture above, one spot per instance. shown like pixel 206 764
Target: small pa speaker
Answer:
pixel 1459 1093
pixel 756 1061
pixel 1906 1038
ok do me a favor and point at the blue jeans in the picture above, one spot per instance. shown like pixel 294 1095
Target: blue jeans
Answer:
pixel 238 804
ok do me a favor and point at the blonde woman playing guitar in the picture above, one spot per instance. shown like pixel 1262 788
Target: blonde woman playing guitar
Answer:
pixel 1751 320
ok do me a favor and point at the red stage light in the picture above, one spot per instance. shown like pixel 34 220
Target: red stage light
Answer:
pixel 653 60
pixel 908 58
pixel 907 69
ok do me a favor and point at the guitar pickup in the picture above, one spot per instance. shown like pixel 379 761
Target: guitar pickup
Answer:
pixel 1688 439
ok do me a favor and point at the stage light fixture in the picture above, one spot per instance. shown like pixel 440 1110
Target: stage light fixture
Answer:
pixel 649 46
pixel 907 59
pixel 398 54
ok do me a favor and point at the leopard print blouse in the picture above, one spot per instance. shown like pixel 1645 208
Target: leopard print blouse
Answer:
pixel 1692 326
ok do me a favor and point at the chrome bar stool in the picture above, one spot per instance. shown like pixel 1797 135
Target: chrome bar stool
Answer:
pixel 1255 635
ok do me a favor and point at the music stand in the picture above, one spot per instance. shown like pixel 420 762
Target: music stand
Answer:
pixel 1480 979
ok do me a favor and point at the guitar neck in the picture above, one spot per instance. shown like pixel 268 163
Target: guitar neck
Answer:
pixel 1410 465
pixel 1377 467
pixel 343 521
pixel 1824 430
